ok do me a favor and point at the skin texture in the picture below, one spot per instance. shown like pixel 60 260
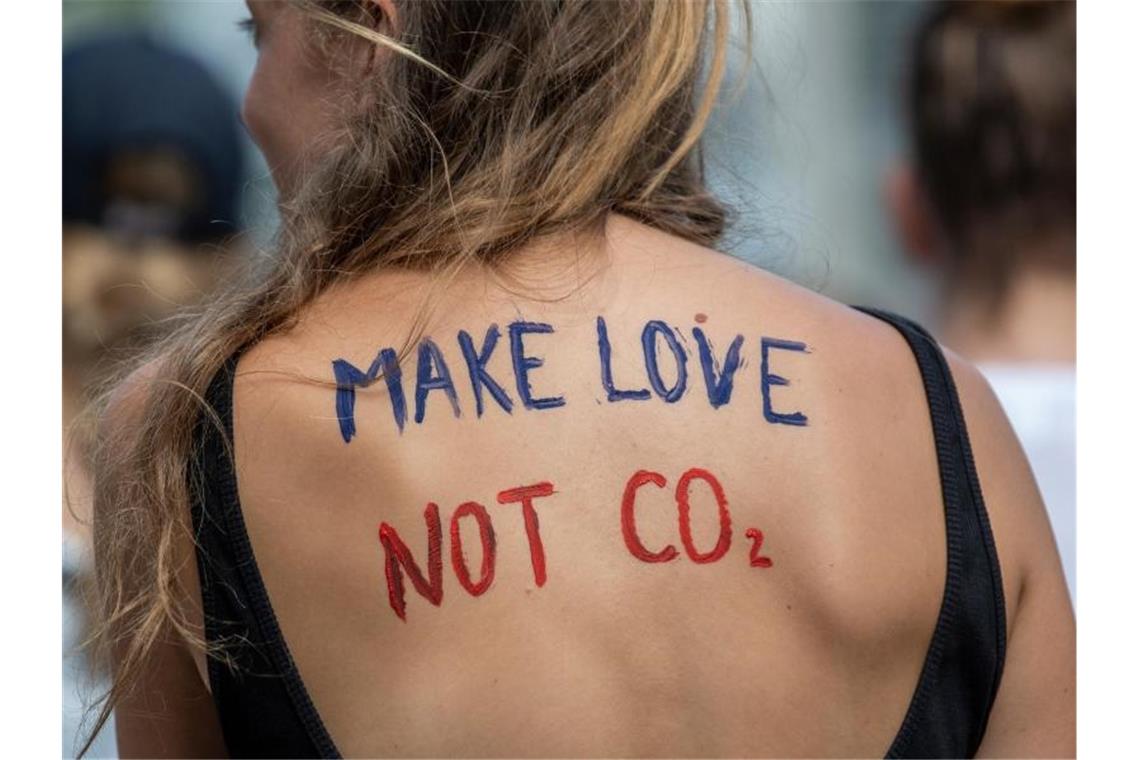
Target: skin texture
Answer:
pixel 816 655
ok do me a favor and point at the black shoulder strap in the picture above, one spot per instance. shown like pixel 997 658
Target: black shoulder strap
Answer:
pixel 262 703
pixel 951 705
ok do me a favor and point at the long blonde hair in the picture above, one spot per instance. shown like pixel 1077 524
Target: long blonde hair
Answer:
pixel 542 118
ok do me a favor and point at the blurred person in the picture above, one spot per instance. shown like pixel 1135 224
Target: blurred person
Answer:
pixel 151 171
pixel 502 458
pixel 988 201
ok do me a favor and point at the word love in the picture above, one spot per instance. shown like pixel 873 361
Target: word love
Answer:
pixel 399 561
pixel 662 348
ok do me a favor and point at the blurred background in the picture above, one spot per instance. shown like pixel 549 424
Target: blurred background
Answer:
pixel 909 156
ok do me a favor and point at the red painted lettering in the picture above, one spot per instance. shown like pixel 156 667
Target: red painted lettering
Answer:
pixel 725 539
pixel 399 560
pixel 754 558
pixel 525 495
pixel 629 528
pixel 486 538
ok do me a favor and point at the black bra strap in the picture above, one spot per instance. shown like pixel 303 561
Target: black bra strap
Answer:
pixel 951 705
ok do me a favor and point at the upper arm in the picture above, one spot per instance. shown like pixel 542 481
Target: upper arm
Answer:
pixel 166 709
pixel 169 713
pixel 1035 710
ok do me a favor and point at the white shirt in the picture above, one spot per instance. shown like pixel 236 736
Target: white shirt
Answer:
pixel 1040 401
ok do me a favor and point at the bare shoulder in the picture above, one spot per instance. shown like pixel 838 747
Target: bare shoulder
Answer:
pixel 127 400
pixel 1020 524
pixel 726 281
pixel 120 417
pixel 164 708
pixel 1035 710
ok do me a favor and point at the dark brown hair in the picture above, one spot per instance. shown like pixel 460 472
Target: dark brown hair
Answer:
pixel 992 109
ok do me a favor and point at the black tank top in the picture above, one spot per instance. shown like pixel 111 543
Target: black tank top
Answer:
pixel 265 710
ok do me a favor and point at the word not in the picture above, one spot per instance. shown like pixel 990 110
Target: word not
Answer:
pixel 662 350
pixel 398 559
pixel 682 496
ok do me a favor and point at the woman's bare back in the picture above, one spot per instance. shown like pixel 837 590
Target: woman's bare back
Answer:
pixel 678 568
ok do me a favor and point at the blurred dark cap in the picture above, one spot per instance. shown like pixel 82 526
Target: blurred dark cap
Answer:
pixel 151 141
